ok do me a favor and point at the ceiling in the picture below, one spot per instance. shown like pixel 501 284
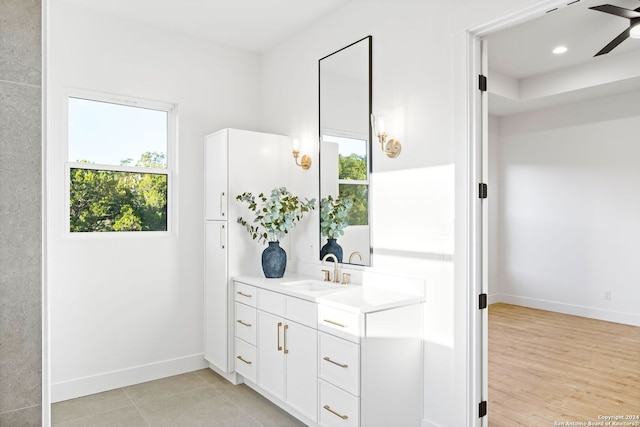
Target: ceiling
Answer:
pixel 253 25
pixel 523 73
pixel 526 75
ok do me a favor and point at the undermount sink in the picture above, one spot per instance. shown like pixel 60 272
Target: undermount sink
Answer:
pixel 312 285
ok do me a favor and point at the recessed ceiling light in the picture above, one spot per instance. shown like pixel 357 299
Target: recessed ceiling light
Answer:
pixel 560 50
pixel 635 31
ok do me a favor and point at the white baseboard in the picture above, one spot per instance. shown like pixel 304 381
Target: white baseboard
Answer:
pixel 427 423
pixel 78 387
pixel 576 310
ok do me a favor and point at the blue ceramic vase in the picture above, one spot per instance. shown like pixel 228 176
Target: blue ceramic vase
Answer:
pixel 274 260
pixel 331 247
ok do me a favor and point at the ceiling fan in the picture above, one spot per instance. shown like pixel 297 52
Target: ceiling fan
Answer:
pixel 634 25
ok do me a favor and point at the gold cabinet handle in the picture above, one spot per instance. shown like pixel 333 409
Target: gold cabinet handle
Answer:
pixel 344 417
pixel 248 362
pixel 286 350
pixel 335 323
pixel 328 359
pixel 279 326
pixel 244 295
pixel 244 324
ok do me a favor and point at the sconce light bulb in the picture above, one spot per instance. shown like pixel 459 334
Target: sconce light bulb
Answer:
pixel 295 144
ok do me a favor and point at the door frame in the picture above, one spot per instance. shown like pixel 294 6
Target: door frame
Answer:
pixel 471 380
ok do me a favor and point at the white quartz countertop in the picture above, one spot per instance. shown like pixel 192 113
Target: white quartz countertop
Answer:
pixel 352 297
pixel 366 299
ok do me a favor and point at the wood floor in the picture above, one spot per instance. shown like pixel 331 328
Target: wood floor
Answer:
pixel 550 369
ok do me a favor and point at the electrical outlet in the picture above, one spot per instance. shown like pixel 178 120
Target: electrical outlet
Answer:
pixel 607 295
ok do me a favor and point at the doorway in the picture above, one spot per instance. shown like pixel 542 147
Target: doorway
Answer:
pixel 483 255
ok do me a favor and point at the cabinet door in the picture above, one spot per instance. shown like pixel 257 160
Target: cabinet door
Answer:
pixel 216 299
pixel 215 176
pixel 301 352
pixel 271 353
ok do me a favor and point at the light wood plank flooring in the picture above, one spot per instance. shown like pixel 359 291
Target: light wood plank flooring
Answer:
pixel 547 368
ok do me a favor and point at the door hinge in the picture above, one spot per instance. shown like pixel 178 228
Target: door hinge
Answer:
pixel 482 301
pixel 482 409
pixel 482 83
pixel 482 190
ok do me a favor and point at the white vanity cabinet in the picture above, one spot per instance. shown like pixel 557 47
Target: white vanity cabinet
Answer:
pixel 371 367
pixel 287 343
pixel 232 159
pixel 336 360
pixel 246 326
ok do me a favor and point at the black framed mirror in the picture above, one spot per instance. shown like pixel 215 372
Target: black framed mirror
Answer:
pixel 345 152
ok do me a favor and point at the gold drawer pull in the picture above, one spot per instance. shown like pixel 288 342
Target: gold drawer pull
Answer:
pixel 244 295
pixel 286 350
pixel 245 361
pixel 244 324
pixel 335 323
pixel 335 363
pixel 344 417
pixel 279 326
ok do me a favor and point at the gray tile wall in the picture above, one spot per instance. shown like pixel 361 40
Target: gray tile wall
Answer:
pixel 20 213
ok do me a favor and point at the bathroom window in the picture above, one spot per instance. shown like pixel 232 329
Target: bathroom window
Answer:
pixel 119 164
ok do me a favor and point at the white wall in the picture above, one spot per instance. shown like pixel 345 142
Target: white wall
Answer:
pixel 416 45
pixel 569 209
pixel 129 309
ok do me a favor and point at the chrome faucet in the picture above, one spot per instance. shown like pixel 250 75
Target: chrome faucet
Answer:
pixel 336 267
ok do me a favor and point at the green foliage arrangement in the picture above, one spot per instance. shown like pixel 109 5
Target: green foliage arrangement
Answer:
pixel 105 200
pixel 333 216
pixel 276 215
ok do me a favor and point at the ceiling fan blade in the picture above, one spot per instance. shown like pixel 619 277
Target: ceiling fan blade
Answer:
pixel 618 11
pixel 615 42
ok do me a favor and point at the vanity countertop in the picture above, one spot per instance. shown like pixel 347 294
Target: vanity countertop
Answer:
pixel 353 298
pixel 367 299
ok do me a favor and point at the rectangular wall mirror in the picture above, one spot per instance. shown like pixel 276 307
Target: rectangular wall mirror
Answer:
pixel 345 152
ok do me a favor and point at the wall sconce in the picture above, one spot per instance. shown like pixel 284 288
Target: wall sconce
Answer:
pixel 305 162
pixel 391 147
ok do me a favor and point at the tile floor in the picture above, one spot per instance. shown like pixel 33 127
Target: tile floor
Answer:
pixel 200 398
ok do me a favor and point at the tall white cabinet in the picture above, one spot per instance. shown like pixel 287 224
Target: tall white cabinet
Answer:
pixel 235 161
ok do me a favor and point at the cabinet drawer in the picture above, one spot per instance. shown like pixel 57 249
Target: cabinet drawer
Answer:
pixel 341 323
pixel 271 302
pixel 245 359
pixel 337 407
pixel 245 294
pixel 245 323
pixel 303 312
pixel 339 363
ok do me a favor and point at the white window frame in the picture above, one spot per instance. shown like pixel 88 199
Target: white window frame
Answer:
pixel 170 171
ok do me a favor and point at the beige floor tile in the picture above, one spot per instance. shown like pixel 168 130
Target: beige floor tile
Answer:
pixel 274 417
pixel 89 405
pixel 124 417
pixel 203 406
pixel 200 398
pixel 140 393
pixel 212 378
pixel 259 407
